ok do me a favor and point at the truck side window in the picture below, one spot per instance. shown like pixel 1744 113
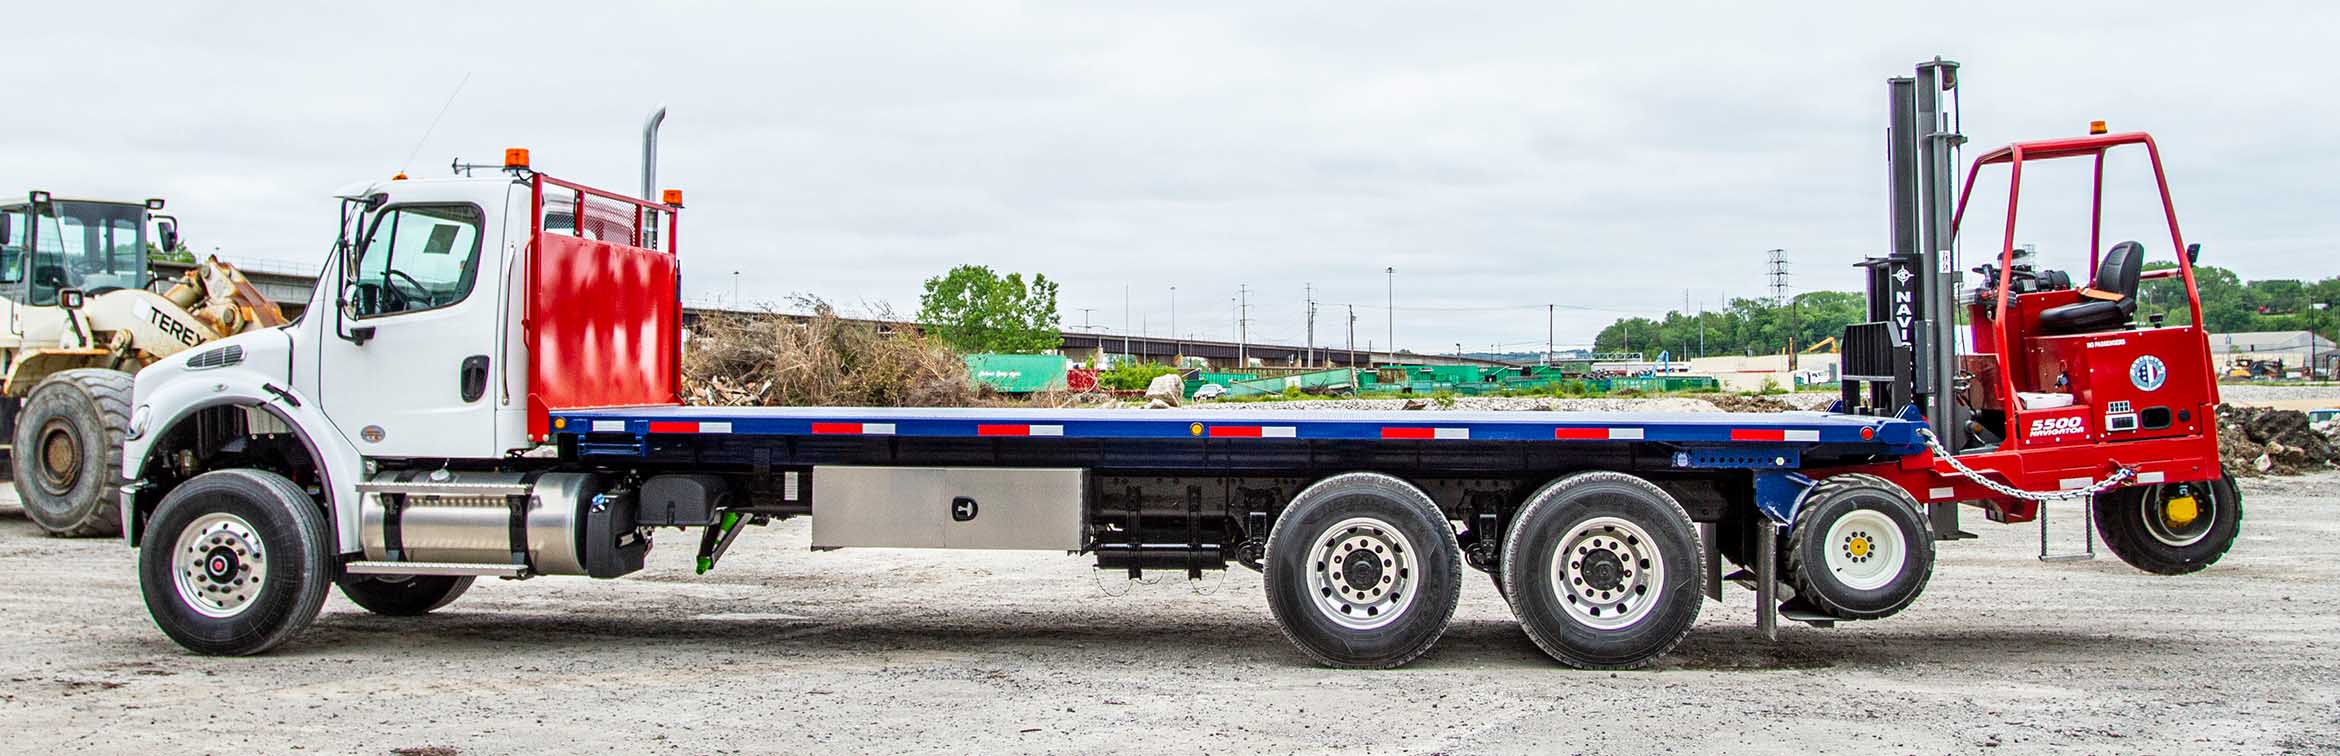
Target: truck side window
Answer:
pixel 418 257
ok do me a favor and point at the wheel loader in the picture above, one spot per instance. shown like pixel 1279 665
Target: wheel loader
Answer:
pixel 84 311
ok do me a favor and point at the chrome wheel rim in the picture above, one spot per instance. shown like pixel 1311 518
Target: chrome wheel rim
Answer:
pixel 1864 550
pixel 2158 524
pixel 1606 573
pixel 218 565
pixel 1361 573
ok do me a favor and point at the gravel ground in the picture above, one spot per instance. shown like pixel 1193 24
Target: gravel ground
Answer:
pixel 786 650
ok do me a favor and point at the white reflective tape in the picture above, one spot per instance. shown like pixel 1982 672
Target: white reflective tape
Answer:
pixel 1451 433
pixel 878 429
pixel 1942 492
pixel 609 426
pixel 1800 435
pixel 714 427
pixel 2072 483
pixel 1624 434
pixel 2151 477
pixel 1046 430
pixel 1278 431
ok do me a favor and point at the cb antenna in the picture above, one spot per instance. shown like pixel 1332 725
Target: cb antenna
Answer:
pixel 426 135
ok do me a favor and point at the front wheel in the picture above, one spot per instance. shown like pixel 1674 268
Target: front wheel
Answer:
pixel 235 562
pixel 1363 571
pixel 66 454
pixel 2172 528
pixel 402 595
pixel 1603 570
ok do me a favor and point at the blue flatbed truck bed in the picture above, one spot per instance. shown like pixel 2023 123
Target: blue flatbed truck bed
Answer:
pixel 646 432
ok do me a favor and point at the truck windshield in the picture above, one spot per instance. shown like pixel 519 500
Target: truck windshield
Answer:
pixel 88 246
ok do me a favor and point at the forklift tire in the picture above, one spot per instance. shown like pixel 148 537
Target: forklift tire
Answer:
pixel 402 595
pixel 2140 526
pixel 1363 571
pixel 1604 570
pixel 1860 548
pixel 66 453
pixel 235 562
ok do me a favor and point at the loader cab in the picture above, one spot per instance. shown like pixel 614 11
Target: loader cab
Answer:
pixel 2062 353
pixel 53 244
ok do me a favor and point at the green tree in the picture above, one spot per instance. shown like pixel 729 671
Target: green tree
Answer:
pixel 974 309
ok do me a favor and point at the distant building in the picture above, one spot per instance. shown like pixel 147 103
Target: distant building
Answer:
pixel 2295 349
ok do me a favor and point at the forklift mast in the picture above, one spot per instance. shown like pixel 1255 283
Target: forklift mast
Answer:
pixel 1907 355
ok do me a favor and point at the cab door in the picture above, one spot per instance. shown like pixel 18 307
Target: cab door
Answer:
pixel 408 367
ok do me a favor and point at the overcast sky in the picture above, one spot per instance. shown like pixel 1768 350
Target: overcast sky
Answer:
pixel 1500 156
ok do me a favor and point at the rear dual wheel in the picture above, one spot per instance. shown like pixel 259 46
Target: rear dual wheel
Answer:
pixel 1363 571
pixel 1603 570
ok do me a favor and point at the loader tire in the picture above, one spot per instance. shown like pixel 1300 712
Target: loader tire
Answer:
pixel 67 452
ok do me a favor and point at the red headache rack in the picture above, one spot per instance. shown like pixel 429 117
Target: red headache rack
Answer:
pixel 604 315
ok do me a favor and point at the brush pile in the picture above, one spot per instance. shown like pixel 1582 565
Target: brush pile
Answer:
pixel 818 359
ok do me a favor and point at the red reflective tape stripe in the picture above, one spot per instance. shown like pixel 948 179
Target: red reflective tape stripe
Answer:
pixel 1581 434
pixel 1757 434
pixel 1409 433
pixel 673 426
pixel 848 428
pixel 1235 431
pixel 1003 430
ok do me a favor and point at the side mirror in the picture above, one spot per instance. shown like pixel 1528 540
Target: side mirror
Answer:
pixel 2193 253
pixel 169 231
pixel 354 299
pixel 70 299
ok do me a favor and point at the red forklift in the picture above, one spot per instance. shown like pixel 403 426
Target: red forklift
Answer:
pixel 2059 392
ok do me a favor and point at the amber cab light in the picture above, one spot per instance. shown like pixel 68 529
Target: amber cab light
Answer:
pixel 516 157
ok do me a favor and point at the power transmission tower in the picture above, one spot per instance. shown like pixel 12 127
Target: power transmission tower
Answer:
pixel 1779 277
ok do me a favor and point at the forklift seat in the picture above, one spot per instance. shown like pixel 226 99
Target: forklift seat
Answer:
pixel 2107 302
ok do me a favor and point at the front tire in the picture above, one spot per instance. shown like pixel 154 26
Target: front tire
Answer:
pixel 235 562
pixel 1363 571
pixel 1603 570
pixel 1860 549
pixel 2171 529
pixel 66 454
pixel 402 595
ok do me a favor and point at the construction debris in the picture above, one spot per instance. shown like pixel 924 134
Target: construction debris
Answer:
pixel 819 359
pixel 1738 403
pixel 2255 440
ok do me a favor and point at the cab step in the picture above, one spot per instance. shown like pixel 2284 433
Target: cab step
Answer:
pixel 436 568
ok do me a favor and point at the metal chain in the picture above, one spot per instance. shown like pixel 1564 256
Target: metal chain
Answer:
pixel 2120 476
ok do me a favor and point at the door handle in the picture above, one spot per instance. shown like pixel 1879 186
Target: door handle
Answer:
pixel 475 377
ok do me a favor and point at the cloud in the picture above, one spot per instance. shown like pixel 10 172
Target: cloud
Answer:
pixel 1606 158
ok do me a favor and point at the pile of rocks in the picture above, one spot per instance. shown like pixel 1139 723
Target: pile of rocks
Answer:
pixel 2254 440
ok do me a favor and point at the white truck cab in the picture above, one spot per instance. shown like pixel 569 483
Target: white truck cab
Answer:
pixel 414 354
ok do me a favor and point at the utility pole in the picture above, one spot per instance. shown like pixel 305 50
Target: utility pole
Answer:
pixel 1308 292
pixel 1180 357
pixel 1125 322
pixel 1391 303
pixel 1551 318
pixel 1085 318
pixel 1352 336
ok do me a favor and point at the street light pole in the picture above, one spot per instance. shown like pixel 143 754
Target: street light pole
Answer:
pixel 1391 303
